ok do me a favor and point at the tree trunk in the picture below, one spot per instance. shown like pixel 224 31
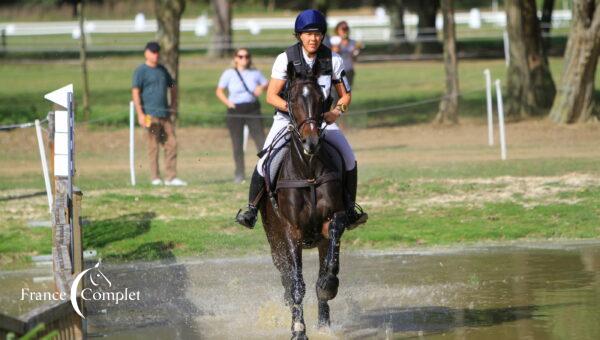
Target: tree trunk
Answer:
pixel 448 112
pixel 221 35
pixel 396 13
pixel 546 22
pixel 575 99
pixel 426 31
pixel 168 15
pixel 530 88
pixel 547 8
pixel 321 6
pixel 83 61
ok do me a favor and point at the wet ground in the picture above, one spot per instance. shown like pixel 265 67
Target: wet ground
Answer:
pixel 518 291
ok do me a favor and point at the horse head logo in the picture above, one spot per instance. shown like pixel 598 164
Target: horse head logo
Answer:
pixel 96 277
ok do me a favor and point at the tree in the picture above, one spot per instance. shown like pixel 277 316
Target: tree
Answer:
pixel 575 99
pixel 448 112
pixel 396 13
pixel 221 35
pixel 168 15
pixel 83 61
pixel 321 6
pixel 547 8
pixel 546 23
pixel 530 86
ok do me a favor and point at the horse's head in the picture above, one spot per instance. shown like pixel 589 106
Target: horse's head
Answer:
pixel 305 104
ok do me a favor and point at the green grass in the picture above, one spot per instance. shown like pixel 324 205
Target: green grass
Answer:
pixel 25 83
pixel 147 224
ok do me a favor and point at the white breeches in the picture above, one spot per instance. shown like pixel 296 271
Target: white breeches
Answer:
pixel 332 134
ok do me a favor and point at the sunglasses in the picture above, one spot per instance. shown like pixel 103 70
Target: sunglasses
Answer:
pixel 243 56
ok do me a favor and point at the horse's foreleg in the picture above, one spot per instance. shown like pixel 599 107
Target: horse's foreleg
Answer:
pixel 322 294
pixel 293 282
pixel 327 284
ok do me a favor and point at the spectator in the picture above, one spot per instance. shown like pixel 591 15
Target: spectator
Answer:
pixel 347 48
pixel 149 91
pixel 244 84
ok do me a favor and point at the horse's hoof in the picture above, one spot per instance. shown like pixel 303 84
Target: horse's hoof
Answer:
pixel 299 336
pixel 327 287
pixel 324 326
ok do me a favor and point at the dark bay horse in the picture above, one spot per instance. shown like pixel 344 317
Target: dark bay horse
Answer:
pixel 307 210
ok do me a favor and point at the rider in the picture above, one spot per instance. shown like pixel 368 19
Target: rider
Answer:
pixel 310 28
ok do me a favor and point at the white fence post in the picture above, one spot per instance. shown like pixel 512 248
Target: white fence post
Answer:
pixel 38 130
pixel 246 133
pixel 490 109
pixel 132 142
pixel 501 120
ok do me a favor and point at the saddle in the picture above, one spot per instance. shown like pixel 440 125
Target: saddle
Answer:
pixel 329 155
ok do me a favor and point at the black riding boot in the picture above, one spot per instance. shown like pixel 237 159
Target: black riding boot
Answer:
pixel 356 216
pixel 248 217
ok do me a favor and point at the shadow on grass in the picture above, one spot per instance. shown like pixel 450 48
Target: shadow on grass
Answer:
pixel 103 232
pixel 158 250
pixel 22 196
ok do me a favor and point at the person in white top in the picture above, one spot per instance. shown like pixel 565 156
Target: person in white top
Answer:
pixel 310 28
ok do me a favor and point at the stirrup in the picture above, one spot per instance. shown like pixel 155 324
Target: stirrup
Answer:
pixel 356 218
pixel 247 218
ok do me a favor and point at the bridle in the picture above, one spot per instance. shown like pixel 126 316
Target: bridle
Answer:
pixel 296 127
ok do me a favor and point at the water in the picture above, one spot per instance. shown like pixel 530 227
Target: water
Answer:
pixel 519 291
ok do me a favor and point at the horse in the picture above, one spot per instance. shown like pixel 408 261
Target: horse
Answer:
pixel 307 209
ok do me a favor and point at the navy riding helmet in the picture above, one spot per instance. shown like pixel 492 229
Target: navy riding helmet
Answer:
pixel 310 20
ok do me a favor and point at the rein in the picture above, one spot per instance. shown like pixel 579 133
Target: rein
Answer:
pixel 311 183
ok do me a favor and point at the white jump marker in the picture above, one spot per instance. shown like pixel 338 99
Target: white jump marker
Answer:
pixel 490 110
pixel 246 133
pixel 131 142
pixel 501 120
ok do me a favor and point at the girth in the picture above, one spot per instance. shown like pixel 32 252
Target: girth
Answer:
pixel 311 183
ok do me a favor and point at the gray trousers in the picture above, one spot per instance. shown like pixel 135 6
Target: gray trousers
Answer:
pixel 244 114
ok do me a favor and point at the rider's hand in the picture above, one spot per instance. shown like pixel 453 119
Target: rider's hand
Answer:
pixel 331 116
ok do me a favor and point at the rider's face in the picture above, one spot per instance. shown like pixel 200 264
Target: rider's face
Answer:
pixel 311 41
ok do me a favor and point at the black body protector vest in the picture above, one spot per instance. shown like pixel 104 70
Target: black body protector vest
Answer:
pixel 322 69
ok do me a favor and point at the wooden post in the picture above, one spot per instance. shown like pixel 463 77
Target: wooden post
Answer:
pixel 77 233
pixel 61 236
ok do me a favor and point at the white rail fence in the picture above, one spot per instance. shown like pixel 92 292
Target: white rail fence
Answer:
pixel 374 27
